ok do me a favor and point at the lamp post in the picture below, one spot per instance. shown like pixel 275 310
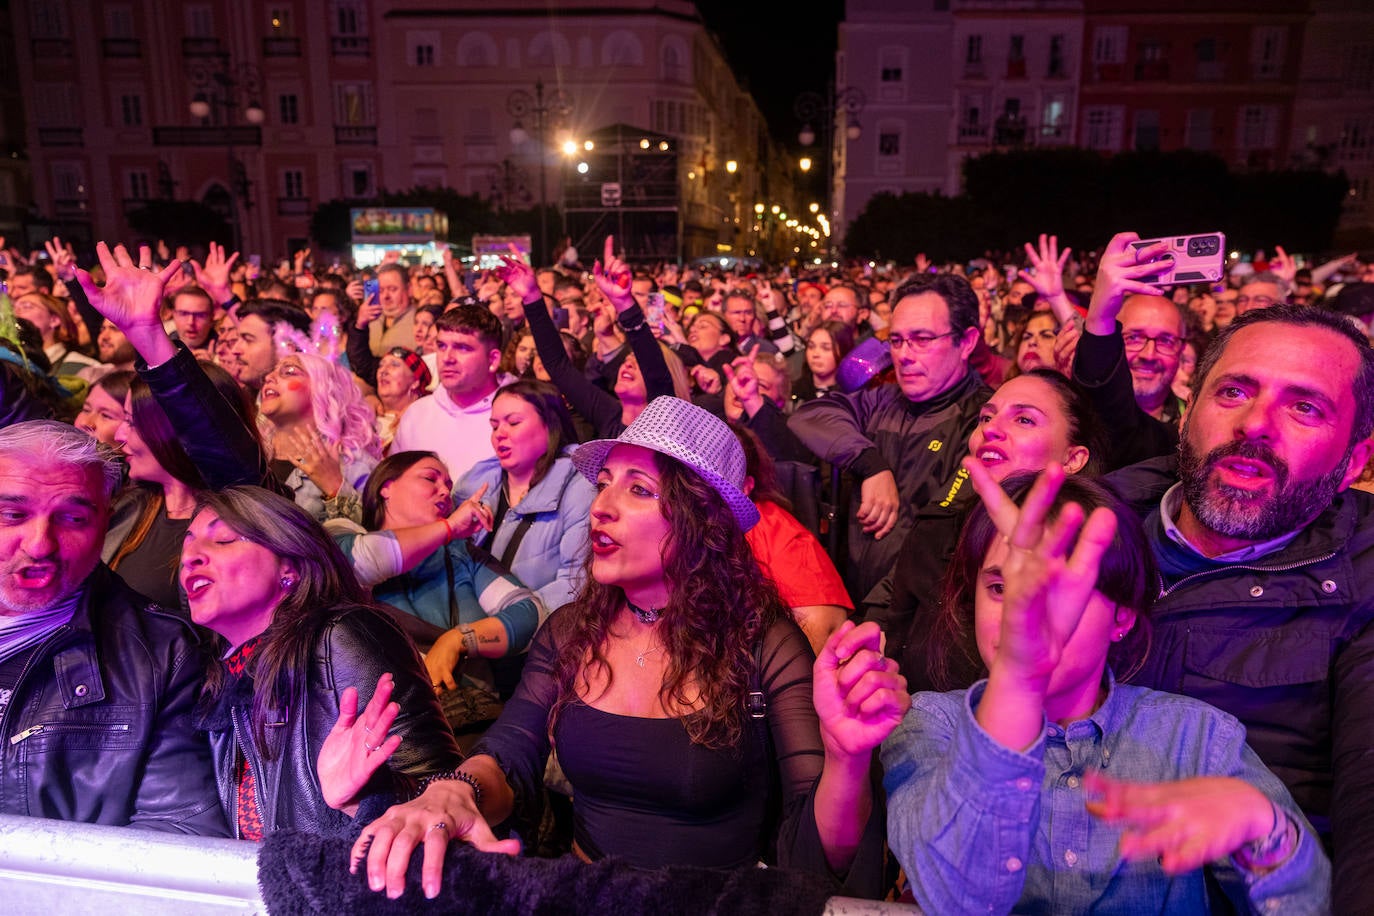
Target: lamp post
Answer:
pixel 224 86
pixel 843 103
pixel 520 104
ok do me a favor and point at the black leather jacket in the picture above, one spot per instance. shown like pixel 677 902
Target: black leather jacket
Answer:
pixel 99 728
pixel 353 649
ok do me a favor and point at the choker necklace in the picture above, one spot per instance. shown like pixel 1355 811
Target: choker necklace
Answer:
pixel 644 616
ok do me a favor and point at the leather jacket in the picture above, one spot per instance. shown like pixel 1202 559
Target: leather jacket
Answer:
pixel 99 727
pixel 354 647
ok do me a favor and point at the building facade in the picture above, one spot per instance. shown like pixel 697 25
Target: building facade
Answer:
pixel 1015 77
pixel 305 101
pixel 1333 110
pixel 894 59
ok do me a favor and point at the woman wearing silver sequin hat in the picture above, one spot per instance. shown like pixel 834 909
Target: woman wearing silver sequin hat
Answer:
pixel 674 687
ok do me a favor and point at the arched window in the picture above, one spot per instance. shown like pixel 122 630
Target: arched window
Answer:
pixel 622 49
pixel 549 49
pixel 673 60
pixel 476 49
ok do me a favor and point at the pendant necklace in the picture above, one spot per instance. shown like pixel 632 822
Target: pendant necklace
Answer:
pixel 640 658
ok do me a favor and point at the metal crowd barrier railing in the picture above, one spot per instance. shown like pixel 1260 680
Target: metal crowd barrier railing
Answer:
pixel 56 867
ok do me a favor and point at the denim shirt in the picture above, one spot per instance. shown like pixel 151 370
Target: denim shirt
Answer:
pixel 980 828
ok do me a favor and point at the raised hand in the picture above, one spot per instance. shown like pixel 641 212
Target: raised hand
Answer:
pixel 1046 274
pixel 471 516
pixel 1066 345
pixel 744 381
pixel 62 257
pixel 357 746
pixel 213 277
pixel 517 273
pixel 300 258
pixel 859 696
pixel 1046 589
pixel 707 379
pixel 1284 267
pixel 1184 824
pixel 306 449
pixel 613 278
pixel 132 300
pixel 1118 275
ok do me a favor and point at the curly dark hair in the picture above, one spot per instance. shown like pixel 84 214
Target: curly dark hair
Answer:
pixel 719 607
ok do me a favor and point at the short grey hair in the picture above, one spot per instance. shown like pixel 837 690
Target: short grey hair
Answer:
pixel 53 442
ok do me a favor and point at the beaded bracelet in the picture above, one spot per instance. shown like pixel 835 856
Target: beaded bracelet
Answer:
pixel 460 776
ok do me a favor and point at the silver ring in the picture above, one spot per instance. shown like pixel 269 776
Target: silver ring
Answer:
pixel 437 825
pixel 371 748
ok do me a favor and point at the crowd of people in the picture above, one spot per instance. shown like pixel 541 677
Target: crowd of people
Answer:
pixel 1047 579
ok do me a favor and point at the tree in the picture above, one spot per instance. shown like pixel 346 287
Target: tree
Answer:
pixel 1085 197
pixel 186 222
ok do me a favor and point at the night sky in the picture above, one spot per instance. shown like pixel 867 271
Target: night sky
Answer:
pixel 777 50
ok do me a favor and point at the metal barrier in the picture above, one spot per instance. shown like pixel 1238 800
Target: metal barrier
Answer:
pixel 50 867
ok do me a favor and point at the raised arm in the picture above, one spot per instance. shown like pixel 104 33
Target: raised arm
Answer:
pixel 212 432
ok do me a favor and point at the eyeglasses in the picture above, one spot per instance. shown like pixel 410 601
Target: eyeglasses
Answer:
pixel 1259 302
pixel 1166 344
pixel 918 342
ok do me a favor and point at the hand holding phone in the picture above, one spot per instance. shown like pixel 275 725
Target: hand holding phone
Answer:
pixel 653 312
pixel 1197 258
pixel 372 291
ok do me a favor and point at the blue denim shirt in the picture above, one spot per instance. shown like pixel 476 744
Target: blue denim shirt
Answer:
pixel 980 828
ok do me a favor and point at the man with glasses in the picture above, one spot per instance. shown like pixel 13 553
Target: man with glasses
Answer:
pixel 193 313
pixel 1128 354
pixel 903 442
pixel 1260 292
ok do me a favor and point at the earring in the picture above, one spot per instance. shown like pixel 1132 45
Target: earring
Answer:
pixel 1118 636
pixel 287 582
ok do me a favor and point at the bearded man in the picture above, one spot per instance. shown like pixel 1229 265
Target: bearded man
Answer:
pixel 1266 558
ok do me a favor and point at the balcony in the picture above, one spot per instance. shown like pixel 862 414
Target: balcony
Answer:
pixel 974 70
pixel 281 47
pixel 293 206
pixel 1016 68
pixel 133 204
pixel 350 46
pixel 121 47
pixel 200 47
pixel 71 206
pixel 1152 71
pixel 355 134
pixel 48 49
pixel 59 136
pixel 973 133
pixel 1210 71
pixel 245 135
pixel 1054 133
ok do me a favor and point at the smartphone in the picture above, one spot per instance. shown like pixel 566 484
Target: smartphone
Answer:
pixel 372 289
pixel 255 260
pixel 187 270
pixel 1197 258
pixel 653 311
